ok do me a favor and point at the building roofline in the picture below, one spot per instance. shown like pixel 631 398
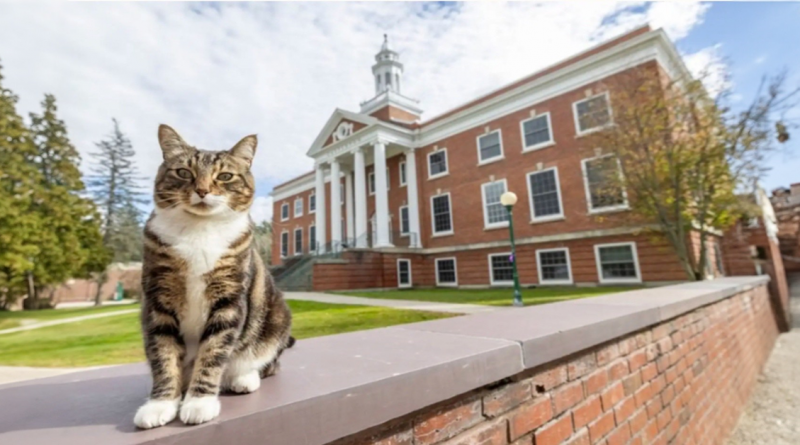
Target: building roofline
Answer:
pixel 547 70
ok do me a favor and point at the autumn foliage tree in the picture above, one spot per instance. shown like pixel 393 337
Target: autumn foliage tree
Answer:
pixel 685 156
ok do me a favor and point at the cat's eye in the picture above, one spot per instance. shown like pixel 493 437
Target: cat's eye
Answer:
pixel 225 176
pixel 184 173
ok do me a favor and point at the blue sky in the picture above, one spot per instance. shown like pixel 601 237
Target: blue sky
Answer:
pixel 217 72
pixel 756 38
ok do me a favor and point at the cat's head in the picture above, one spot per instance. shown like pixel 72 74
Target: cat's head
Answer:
pixel 204 183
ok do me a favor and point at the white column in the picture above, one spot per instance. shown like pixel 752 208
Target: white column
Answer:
pixel 381 196
pixel 348 206
pixel 336 207
pixel 361 199
pixel 320 210
pixel 413 205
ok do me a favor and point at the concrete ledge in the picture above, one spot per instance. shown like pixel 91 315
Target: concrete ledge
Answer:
pixel 335 386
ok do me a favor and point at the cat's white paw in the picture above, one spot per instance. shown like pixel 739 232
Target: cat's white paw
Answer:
pixel 246 383
pixel 155 413
pixel 196 410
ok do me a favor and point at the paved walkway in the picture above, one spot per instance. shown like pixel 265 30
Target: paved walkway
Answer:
pixel 772 415
pixel 66 320
pixel 452 308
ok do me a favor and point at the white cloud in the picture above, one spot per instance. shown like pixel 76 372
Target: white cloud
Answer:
pixel 709 65
pixel 261 209
pixel 219 72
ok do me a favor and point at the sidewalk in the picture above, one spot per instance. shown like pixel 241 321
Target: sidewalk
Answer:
pixel 771 416
pixel 66 320
pixel 452 308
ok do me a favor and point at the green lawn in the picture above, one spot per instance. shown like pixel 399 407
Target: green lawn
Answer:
pixel 492 297
pixel 113 340
pixel 10 320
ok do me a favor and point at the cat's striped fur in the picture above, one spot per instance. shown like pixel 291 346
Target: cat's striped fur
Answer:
pixel 212 317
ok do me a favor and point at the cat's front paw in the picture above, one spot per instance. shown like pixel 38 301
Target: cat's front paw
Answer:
pixel 196 410
pixel 156 413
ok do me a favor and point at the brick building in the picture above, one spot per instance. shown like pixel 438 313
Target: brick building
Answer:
pixel 416 202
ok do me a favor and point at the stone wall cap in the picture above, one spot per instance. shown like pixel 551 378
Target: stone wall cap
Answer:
pixel 335 386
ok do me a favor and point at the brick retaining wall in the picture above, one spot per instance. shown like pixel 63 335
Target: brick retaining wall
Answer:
pixel 683 381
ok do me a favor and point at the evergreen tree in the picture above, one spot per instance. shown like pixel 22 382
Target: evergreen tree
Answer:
pixel 64 243
pixel 18 183
pixel 114 186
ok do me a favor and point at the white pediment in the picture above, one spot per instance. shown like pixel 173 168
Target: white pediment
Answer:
pixel 340 127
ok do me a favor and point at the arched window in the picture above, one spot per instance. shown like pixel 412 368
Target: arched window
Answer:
pixel 377 82
pixel 388 80
pixel 397 82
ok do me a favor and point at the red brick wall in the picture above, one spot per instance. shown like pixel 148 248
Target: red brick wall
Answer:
pixel 466 177
pixel 657 263
pixel 393 114
pixel 685 381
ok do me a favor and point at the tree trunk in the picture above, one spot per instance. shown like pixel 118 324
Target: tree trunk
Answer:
pixel 98 296
pixel 32 302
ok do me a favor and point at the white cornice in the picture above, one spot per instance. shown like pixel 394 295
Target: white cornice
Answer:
pixel 394 99
pixel 653 45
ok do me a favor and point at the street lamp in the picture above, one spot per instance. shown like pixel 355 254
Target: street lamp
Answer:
pixel 508 199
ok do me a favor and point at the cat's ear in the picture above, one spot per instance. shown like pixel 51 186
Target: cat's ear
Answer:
pixel 245 149
pixel 172 144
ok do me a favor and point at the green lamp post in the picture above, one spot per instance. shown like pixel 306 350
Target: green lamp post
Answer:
pixel 508 199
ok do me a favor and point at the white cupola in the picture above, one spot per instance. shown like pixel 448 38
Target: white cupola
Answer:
pixel 387 73
pixel 387 70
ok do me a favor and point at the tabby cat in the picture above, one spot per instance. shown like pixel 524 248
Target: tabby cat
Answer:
pixel 212 317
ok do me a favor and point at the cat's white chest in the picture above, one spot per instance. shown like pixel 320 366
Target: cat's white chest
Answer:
pixel 200 243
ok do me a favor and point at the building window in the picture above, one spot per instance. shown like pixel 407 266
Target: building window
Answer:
pixel 446 274
pixel 284 244
pixel 403 273
pixel 402 173
pixel 405 226
pixel 284 211
pixel 388 80
pixel 312 238
pixel 536 132
pixel 617 263
pixel 501 270
pixel 604 192
pixel 437 164
pixel 494 214
pixel 441 216
pixel 312 203
pixel 554 266
pixel 592 114
pixel 377 82
pixel 545 195
pixel 298 207
pixel 490 147
pixel 298 241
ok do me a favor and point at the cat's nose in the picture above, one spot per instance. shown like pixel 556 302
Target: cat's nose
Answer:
pixel 201 193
